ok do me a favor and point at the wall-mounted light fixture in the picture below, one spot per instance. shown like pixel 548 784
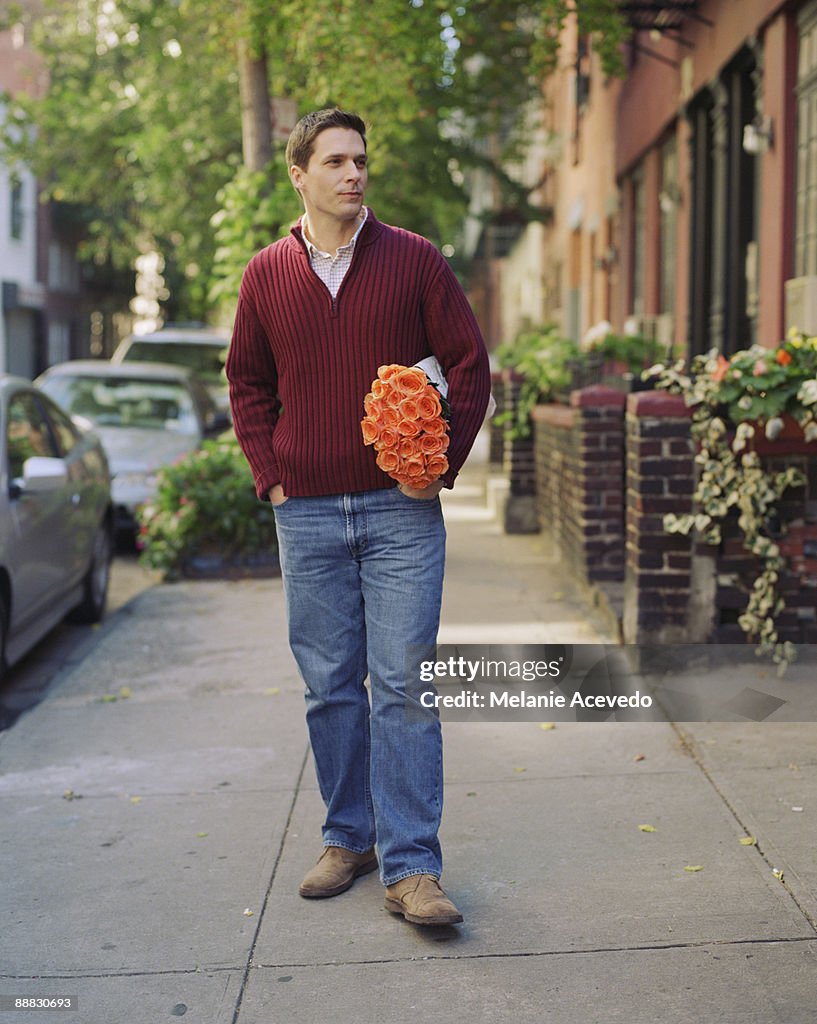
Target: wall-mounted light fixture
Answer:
pixel 758 135
pixel 669 198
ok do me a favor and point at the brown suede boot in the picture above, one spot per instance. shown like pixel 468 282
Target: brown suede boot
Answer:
pixel 420 900
pixel 335 871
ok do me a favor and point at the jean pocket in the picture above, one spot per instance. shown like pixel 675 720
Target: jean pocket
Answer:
pixel 416 501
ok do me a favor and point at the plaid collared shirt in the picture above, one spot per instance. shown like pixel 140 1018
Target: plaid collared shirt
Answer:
pixel 332 269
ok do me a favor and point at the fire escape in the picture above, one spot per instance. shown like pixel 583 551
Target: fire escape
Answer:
pixel 661 20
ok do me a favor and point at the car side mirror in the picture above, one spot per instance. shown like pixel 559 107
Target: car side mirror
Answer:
pixel 219 422
pixel 42 474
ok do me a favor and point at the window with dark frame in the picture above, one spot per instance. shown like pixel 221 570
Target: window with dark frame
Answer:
pixel 668 199
pixel 805 221
pixel 639 241
pixel 16 208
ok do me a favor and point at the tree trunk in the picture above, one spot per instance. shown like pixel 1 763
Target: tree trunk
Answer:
pixel 256 109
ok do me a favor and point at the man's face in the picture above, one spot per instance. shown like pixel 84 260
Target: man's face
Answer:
pixel 333 183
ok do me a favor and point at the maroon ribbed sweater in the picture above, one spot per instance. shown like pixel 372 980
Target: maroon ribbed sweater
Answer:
pixel 300 364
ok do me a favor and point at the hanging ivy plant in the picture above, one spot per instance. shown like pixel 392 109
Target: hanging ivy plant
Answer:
pixel 732 401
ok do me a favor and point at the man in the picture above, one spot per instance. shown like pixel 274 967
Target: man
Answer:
pixel 361 559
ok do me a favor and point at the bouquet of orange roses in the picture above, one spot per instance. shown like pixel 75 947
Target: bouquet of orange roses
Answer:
pixel 407 422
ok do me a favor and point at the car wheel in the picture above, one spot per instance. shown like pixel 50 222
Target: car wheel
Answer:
pixel 95 584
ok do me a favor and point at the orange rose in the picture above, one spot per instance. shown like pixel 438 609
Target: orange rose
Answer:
pixel 388 439
pixel 370 430
pixel 408 409
pixel 437 427
pixel 410 381
pixel 783 357
pixel 379 389
pixel 431 444
pixel 428 405
pixel 408 428
pixel 388 461
pixel 387 372
pixel 390 417
pixel 372 405
pixel 414 467
pixel 436 466
pixel 408 446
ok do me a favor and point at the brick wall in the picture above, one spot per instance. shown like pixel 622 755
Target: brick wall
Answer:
pixel 518 452
pixel 603 483
pixel 796 530
pixel 579 459
pixel 659 579
pixel 496 431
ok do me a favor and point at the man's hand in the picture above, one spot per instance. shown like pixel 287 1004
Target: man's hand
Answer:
pixel 276 495
pixel 422 493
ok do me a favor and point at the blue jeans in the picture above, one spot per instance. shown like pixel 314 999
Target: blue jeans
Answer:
pixel 363 578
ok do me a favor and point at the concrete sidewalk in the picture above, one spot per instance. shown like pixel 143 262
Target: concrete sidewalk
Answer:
pixel 153 837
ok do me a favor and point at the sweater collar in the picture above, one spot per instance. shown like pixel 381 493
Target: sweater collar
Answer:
pixel 369 231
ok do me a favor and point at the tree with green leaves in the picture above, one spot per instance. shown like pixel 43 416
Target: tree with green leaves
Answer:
pixel 157 118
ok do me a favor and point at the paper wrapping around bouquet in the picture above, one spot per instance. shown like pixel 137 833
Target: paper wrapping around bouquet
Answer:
pixel 432 369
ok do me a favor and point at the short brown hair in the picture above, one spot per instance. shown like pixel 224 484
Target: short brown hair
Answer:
pixel 301 142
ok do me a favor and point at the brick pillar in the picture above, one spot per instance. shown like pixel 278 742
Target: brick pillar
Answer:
pixel 518 464
pixel 579 454
pixel 496 432
pixel 665 601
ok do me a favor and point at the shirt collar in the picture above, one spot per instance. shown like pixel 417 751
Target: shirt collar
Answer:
pixel 315 251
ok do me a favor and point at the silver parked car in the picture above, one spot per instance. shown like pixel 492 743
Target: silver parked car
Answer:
pixel 201 349
pixel 147 415
pixel 56 519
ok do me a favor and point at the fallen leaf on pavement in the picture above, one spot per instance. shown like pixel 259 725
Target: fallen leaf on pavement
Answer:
pixel 547 726
pixel 136 799
pixel 69 794
pixel 640 757
pixel 202 835
pixel 778 874
pixel 748 841
pixel 520 769
pixel 694 867
pixel 247 912
pixel 648 828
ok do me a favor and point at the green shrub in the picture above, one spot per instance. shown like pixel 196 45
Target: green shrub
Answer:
pixel 634 351
pixel 205 504
pixel 544 359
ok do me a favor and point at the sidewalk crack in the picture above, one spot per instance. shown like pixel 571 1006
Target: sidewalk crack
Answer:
pixel 690 745
pixel 251 955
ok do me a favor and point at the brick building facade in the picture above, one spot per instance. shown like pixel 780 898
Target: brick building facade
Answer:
pixel 685 209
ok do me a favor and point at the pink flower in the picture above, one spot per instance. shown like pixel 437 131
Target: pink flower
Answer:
pixel 721 369
pixel 760 368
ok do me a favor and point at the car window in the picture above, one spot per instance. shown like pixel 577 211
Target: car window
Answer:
pixel 146 403
pixel 27 433
pixel 65 432
pixel 206 360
